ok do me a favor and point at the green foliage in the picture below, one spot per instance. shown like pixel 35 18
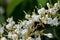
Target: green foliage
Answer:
pixel 1 2
pixel 42 3
pixel 12 5
pixel 16 7
pixel 57 32
pixel 1 19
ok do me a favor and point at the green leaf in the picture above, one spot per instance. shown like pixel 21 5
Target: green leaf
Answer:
pixel 12 5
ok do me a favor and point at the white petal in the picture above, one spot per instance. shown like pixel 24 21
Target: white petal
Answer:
pixel 49 35
pixel 48 5
pixel 23 32
pixel 41 11
pixel 55 21
pixel 52 11
pixel 3 38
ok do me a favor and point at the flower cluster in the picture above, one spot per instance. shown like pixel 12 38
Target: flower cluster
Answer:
pixel 30 29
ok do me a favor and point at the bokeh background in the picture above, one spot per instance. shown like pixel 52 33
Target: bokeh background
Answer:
pixel 15 8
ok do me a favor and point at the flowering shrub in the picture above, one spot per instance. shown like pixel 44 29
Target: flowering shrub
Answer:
pixel 32 28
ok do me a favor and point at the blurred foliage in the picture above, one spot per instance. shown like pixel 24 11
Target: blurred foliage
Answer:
pixel 2 19
pixel 1 2
pixel 57 32
pixel 42 3
pixel 12 5
pixel 16 8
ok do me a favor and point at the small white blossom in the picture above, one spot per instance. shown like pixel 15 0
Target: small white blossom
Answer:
pixel 27 24
pixel 1 30
pixel 56 5
pixel 18 26
pixel 49 35
pixel 9 25
pixel 10 19
pixel 55 21
pixel 24 31
pixel 38 38
pixel 30 23
pixel 24 22
pixel 17 31
pixel 9 35
pixel 42 11
pixel 27 16
pixel 3 38
pixel 14 37
pixel 52 11
pixel 44 20
pixel 49 20
pixel 36 17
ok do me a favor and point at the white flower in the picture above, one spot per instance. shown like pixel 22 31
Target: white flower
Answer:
pixel 30 23
pixel 3 38
pixel 1 30
pixel 56 5
pixel 24 22
pixel 42 11
pixel 17 31
pixel 15 26
pixel 24 31
pixel 27 24
pixel 10 19
pixel 46 20
pixel 55 21
pixel 9 35
pixel 52 11
pixel 14 36
pixel 49 35
pixel 27 16
pixel 18 26
pixel 9 25
pixel 43 20
pixel 38 38
pixel 49 20
pixel 36 17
